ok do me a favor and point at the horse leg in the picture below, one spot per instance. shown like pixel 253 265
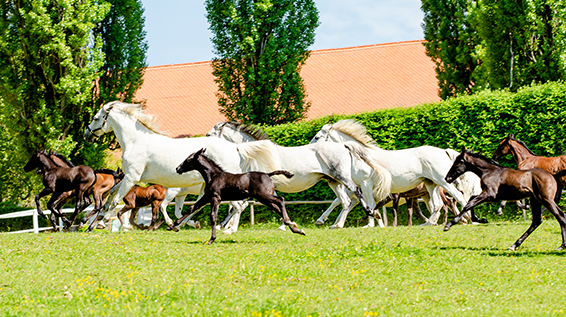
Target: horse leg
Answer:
pixel 537 220
pixel 46 191
pixel 502 204
pixel 192 211
pixel 419 211
pixel 156 204
pixel 434 203
pixel 396 198
pixel 238 207
pixel 277 204
pixel 320 221
pixel 410 202
pixel 347 204
pixel 484 196
pixel 127 207
pixel 214 203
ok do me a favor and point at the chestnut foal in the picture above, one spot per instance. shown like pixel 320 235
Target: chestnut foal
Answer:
pixel 222 185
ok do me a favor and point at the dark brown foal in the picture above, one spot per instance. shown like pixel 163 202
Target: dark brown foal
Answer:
pixel 503 183
pixel 222 185
pixel 58 181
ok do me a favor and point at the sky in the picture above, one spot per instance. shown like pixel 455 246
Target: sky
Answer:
pixel 177 30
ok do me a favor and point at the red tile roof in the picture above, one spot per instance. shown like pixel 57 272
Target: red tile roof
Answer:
pixel 338 81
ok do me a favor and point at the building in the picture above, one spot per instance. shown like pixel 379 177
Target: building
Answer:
pixel 338 81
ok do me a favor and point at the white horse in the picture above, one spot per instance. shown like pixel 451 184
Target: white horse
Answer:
pixel 343 167
pixel 408 167
pixel 150 156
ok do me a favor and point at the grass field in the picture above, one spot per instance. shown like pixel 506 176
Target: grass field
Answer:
pixel 260 271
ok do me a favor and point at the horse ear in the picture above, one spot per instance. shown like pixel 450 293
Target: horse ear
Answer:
pixel 107 107
pixel 201 151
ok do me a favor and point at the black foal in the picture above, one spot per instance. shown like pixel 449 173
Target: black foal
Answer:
pixel 222 185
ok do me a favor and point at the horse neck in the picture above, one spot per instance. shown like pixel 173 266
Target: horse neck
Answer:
pixel 127 130
pixel 59 162
pixel 207 169
pixel 520 153
pixel 479 166
pixel 235 136
pixel 46 162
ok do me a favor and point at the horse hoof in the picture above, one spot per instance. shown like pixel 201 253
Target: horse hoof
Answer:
pixel 197 225
pixel 227 231
pixel 560 248
pixel 319 223
pixel 446 228
pixel 302 232
pixel 334 227
pixel 282 228
pixel 512 248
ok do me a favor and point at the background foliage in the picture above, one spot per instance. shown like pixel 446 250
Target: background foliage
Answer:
pixel 494 44
pixel 58 61
pixel 261 47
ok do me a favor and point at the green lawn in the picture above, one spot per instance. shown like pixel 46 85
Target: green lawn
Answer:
pixel 260 271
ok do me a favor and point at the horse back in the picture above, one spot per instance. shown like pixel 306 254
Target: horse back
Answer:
pixel 519 184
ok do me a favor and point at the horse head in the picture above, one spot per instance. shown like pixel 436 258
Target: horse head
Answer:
pixel 98 126
pixel 33 163
pixel 503 148
pixel 191 162
pixel 322 135
pixel 458 167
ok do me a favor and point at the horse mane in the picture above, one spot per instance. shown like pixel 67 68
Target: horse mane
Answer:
pixel 61 157
pixel 108 171
pixel 253 131
pixel 523 144
pixel 356 131
pixel 488 160
pixel 138 111
pixel 212 162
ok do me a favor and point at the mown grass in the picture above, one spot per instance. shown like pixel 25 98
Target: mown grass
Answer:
pixel 260 271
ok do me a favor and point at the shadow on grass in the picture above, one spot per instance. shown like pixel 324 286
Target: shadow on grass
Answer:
pixel 491 251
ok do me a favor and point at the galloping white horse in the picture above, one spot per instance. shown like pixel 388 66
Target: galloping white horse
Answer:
pixel 149 156
pixel 408 167
pixel 343 167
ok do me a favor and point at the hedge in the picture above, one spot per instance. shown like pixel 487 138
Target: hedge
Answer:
pixel 534 114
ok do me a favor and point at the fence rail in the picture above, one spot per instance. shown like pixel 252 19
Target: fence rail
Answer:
pixel 36 229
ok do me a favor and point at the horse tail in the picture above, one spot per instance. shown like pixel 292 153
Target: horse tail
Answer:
pixel 558 177
pixel 287 174
pixel 259 155
pixel 382 187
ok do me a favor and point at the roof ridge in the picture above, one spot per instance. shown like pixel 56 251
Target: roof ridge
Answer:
pixel 325 50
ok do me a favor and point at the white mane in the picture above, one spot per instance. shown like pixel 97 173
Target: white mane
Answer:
pixel 355 130
pixel 138 112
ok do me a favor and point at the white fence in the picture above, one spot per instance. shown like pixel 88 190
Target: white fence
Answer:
pixel 36 229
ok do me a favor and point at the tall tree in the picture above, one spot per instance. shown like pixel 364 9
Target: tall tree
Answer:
pixel 125 48
pixel 59 60
pixel 450 43
pixel 261 46
pixel 523 40
pixel 49 61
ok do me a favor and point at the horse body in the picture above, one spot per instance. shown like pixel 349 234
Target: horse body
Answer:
pixel 149 156
pixel 139 197
pixel 61 182
pixel 223 185
pixel 502 183
pixel 408 167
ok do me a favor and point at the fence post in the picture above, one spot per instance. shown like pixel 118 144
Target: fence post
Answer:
pixel 35 222
pixel 252 216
